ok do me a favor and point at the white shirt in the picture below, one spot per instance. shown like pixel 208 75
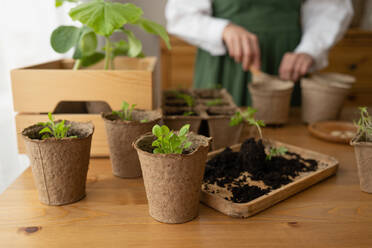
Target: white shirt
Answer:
pixel 323 23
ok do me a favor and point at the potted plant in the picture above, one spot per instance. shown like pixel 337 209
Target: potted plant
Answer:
pixel 59 152
pixel 320 90
pixel 271 97
pixel 173 166
pixel 363 150
pixel 118 71
pixel 122 128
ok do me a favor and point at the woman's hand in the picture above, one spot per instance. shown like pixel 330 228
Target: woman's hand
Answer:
pixel 295 65
pixel 243 46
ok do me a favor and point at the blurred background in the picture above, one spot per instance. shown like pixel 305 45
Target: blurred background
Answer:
pixel 27 25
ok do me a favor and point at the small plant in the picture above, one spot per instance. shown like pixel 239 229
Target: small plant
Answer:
pixel 364 125
pixel 103 18
pixel 168 142
pixel 125 113
pixel 54 129
pixel 280 151
pixel 189 101
pixel 215 102
pixel 247 116
pixel 144 121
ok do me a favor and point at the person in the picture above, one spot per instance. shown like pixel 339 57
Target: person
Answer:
pixel 288 38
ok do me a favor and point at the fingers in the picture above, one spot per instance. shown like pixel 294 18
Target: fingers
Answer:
pixel 286 70
pixel 246 62
pixel 256 53
pixel 237 54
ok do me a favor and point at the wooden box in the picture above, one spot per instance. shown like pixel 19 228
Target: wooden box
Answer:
pixel 38 89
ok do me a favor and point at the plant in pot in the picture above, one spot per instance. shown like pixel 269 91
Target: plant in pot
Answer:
pixel 122 129
pixel 173 166
pixel 363 150
pixel 59 152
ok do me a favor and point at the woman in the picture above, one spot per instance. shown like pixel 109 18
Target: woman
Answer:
pixel 288 38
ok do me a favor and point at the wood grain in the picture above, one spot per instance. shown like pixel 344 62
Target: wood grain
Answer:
pixel 334 213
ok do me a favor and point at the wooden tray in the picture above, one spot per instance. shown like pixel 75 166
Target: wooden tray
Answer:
pixel 327 167
pixel 323 130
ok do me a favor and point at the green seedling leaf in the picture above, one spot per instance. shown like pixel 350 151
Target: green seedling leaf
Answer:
pixel 105 17
pixel 52 129
pixel 154 28
pixel 184 130
pixel 279 151
pixel 125 113
pixel 92 59
pixel 168 142
pixel 189 113
pixel 247 116
pixel 187 98
pixel 157 131
pixel 64 38
pixel 144 121
pixel 364 125
pixel 214 102
pixel 88 42
pixel 135 45
pixel 59 3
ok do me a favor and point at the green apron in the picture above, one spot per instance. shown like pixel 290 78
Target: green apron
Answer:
pixel 277 25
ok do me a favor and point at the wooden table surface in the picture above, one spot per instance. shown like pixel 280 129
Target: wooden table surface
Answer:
pixel 333 213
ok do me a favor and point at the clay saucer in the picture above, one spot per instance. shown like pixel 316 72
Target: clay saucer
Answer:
pixel 333 131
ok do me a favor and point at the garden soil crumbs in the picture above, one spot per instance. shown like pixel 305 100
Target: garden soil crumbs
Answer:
pixel 246 175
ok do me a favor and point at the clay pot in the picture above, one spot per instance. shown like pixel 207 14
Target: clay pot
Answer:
pixel 322 100
pixel 363 153
pixel 121 135
pixel 173 181
pixel 272 100
pixel 220 130
pixel 60 166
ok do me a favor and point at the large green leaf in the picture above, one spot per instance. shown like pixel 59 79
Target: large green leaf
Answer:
pixel 92 59
pixel 60 2
pixel 135 45
pixel 64 38
pixel 120 48
pixel 155 28
pixel 88 42
pixel 105 17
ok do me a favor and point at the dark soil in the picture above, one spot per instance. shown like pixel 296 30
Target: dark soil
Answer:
pixel 225 168
pixel 179 113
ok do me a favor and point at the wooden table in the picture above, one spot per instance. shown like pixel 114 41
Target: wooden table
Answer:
pixel 333 213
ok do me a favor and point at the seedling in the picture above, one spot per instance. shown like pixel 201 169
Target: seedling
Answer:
pixel 125 114
pixel 169 142
pixel 247 116
pixel 215 102
pixel 364 125
pixel 280 151
pixel 144 121
pixel 189 101
pixel 54 129
pixel 103 18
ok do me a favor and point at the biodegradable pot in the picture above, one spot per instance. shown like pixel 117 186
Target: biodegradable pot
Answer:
pixel 220 130
pixel 173 181
pixel 363 154
pixel 322 100
pixel 60 166
pixel 121 135
pixel 272 100
pixel 175 120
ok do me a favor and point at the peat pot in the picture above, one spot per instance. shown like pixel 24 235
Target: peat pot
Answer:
pixel 173 181
pixel 60 166
pixel 272 100
pixel 323 97
pixel 121 134
pixel 363 153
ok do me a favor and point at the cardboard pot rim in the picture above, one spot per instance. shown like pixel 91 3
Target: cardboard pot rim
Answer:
pixel 207 140
pixel 157 112
pixel 312 84
pixel 88 125
pixel 355 142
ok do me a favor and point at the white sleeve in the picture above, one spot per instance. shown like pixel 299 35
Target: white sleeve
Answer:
pixel 324 22
pixel 192 21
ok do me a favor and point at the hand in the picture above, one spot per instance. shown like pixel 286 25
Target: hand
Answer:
pixel 295 65
pixel 242 46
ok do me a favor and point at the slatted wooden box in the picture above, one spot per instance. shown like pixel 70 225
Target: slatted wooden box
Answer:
pixel 38 89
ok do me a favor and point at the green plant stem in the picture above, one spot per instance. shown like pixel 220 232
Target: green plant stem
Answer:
pixel 77 64
pixel 259 130
pixel 107 53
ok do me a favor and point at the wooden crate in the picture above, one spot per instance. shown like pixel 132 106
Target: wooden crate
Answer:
pixel 38 89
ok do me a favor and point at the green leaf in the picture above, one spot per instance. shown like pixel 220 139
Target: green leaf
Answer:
pixel 155 28
pixel 156 130
pixel 135 45
pixel 50 116
pixel 144 121
pixel 92 59
pixel 184 130
pixel 120 48
pixel 88 43
pixel 45 130
pixel 187 145
pixel 64 38
pixel 105 17
pixel 59 3
pixel 165 130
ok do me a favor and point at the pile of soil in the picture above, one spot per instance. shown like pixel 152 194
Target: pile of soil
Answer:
pixel 231 170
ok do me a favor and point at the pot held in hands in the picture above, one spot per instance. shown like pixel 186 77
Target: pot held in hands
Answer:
pixel 173 181
pixel 60 166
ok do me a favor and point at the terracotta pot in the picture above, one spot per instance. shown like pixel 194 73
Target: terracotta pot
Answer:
pixel 121 135
pixel 219 127
pixel 60 166
pixel 272 100
pixel 322 100
pixel 363 153
pixel 173 181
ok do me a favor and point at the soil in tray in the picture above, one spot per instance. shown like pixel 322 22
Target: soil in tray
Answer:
pixel 246 175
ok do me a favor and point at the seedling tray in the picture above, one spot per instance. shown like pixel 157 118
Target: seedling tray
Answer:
pixel 327 166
